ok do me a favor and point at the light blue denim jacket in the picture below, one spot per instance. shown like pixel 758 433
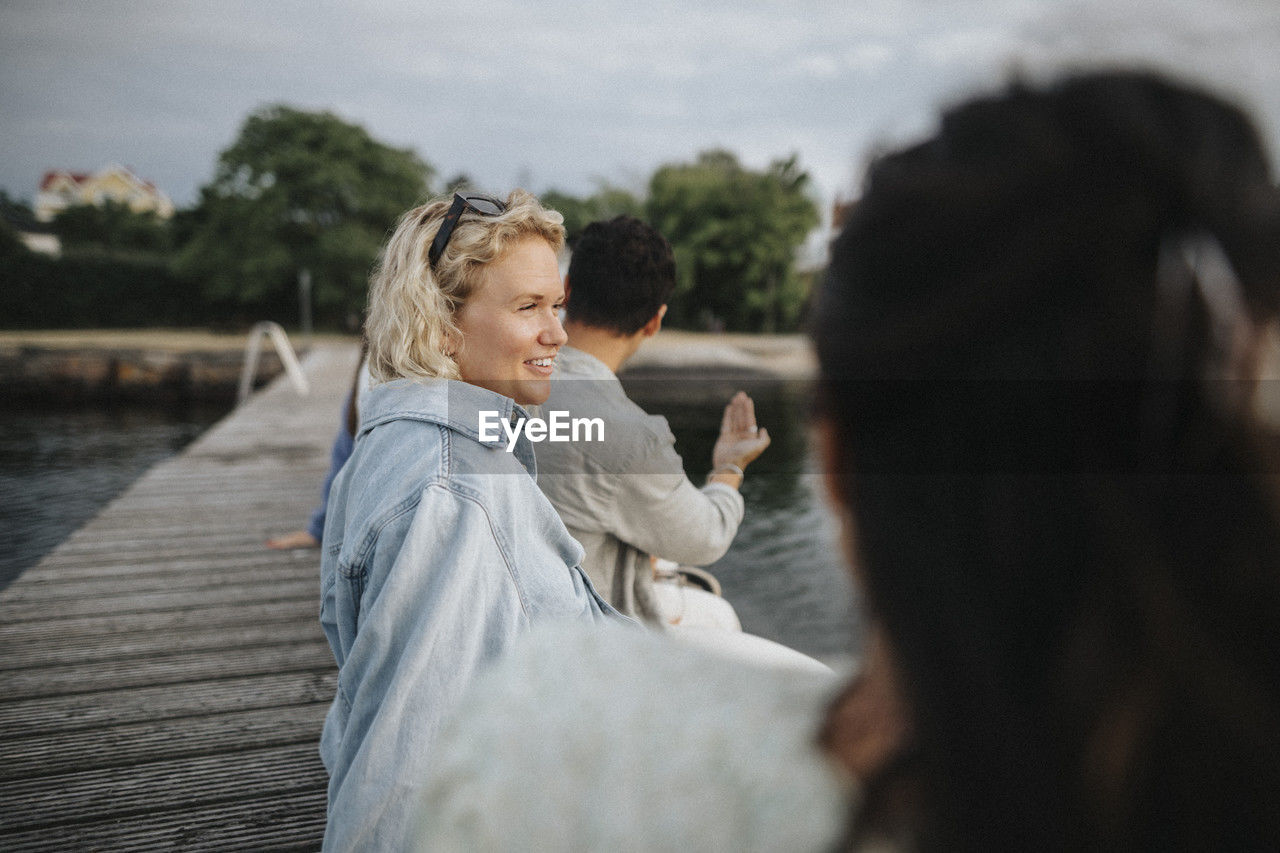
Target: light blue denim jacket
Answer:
pixel 438 551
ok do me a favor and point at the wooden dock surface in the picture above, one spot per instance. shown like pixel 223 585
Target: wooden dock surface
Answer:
pixel 163 676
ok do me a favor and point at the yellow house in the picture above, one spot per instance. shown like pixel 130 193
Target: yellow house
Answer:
pixel 61 189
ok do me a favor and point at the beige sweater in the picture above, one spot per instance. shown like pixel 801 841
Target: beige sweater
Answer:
pixel 627 497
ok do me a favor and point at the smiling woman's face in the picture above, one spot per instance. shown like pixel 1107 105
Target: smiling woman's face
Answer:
pixel 510 325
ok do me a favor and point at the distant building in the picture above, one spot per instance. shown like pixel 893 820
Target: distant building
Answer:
pixel 45 244
pixel 36 236
pixel 61 189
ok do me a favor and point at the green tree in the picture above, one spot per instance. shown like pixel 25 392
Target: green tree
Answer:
pixel 17 213
pixel 299 190
pixel 606 202
pixel 735 233
pixel 461 182
pixel 112 226
pixel 10 245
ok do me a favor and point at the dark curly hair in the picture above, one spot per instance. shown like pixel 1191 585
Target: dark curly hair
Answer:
pixel 1069 541
pixel 622 271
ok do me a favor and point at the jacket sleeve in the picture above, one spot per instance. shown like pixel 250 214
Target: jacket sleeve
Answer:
pixel 660 512
pixel 436 599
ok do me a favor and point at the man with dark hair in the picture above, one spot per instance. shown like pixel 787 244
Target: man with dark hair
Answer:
pixel 625 272
pixel 626 497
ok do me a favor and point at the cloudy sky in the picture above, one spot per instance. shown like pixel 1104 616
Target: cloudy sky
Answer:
pixel 562 93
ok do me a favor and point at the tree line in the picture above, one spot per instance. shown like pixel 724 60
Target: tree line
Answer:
pixel 300 190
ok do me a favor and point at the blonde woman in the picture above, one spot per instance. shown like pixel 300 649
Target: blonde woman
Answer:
pixel 439 548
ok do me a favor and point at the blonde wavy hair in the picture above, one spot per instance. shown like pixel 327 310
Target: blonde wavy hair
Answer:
pixel 410 325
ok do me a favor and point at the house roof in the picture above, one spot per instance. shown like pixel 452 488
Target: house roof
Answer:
pixel 80 177
pixel 54 174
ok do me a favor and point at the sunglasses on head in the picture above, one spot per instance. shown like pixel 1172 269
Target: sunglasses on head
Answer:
pixel 485 205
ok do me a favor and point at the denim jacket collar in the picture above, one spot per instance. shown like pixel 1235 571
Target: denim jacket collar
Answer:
pixel 448 403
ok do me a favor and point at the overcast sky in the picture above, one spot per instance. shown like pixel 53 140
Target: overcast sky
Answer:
pixel 560 93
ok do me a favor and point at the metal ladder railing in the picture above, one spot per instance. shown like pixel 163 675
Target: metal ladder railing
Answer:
pixel 253 350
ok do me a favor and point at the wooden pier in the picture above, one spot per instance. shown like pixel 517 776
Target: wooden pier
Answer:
pixel 163 676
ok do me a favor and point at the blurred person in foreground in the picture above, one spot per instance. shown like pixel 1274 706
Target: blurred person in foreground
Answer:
pixel 1037 339
pixel 439 548
pixel 627 498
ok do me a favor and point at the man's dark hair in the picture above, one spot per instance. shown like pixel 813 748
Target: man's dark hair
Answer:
pixel 622 271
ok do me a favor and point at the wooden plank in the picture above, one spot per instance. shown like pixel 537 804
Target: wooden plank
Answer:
pixel 101 624
pixel 161 526
pixel 286 822
pixel 132 744
pixel 163 669
pixel 243 543
pixel 141 539
pixel 148 644
pixel 221 522
pixel 168 785
pixel 158 523
pixel 173 551
pixel 54 715
pixel 175 600
pixel 195 565
pixel 230 505
pixel 196 576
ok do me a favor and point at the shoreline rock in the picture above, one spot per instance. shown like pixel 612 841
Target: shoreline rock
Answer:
pixel 182 364
pixel 75 374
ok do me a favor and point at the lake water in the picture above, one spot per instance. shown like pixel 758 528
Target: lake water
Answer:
pixel 784 573
pixel 60 464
